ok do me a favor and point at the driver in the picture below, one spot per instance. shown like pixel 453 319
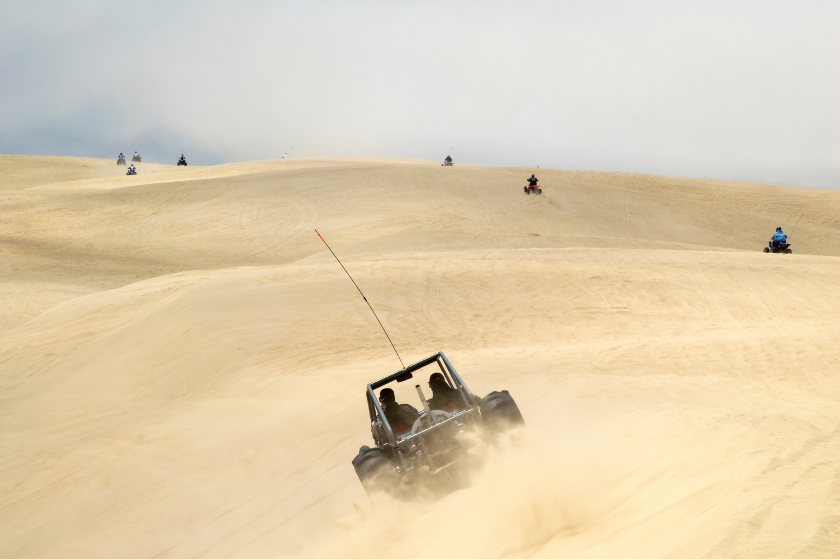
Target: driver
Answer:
pixel 778 237
pixel 121 156
pixel 444 397
pixel 532 181
pixel 401 417
pixel 448 159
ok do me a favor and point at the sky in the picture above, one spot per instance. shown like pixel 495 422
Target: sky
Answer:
pixel 726 90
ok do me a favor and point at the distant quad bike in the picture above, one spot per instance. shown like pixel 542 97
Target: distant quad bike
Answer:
pixel 433 453
pixel 136 158
pixel 536 189
pixel 121 160
pixel 779 248
pixel 182 161
pixel 447 162
pixel 131 171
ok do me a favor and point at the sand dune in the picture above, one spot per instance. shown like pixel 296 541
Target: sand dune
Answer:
pixel 182 364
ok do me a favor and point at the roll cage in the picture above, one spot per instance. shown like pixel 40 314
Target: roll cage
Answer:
pixel 452 377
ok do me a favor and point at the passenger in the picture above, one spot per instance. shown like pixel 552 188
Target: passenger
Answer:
pixel 444 397
pixel 401 417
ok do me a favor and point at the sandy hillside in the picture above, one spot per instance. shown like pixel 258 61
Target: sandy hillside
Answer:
pixel 182 364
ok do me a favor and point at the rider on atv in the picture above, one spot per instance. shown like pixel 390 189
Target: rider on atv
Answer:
pixel 778 238
pixel 182 160
pixel 532 181
pixel 131 170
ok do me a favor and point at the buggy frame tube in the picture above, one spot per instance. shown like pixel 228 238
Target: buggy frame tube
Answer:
pixel 463 413
pixel 465 392
pixel 413 367
pixel 456 382
pixel 375 408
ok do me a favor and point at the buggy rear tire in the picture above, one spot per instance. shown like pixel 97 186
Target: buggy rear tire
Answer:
pixel 499 411
pixel 374 469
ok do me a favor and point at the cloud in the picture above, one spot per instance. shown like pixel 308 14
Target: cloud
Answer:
pixel 725 90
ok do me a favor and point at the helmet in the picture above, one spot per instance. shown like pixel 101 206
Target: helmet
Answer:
pixel 436 377
pixel 437 381
pixel 387 395
pixel 779 228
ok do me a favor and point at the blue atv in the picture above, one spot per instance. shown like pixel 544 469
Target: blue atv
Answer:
pixel 778 248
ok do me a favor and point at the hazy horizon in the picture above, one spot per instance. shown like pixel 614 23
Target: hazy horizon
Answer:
pixel 744 91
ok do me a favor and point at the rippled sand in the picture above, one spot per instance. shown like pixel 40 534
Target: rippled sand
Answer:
pixel 182 364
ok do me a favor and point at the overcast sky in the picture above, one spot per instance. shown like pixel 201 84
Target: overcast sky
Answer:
pixel 730 90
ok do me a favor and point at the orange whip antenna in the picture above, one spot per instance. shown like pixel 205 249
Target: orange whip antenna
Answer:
pixel 364 298
pixel 796 224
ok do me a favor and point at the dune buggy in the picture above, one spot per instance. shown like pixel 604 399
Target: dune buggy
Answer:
pixel 437 443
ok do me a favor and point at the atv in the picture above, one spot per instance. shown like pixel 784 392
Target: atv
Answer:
pixel 182 161
pixel 131 171
pixel 433 453
pixel 121 160
pixel 136 158
pixel 779 248
pixel 535 188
